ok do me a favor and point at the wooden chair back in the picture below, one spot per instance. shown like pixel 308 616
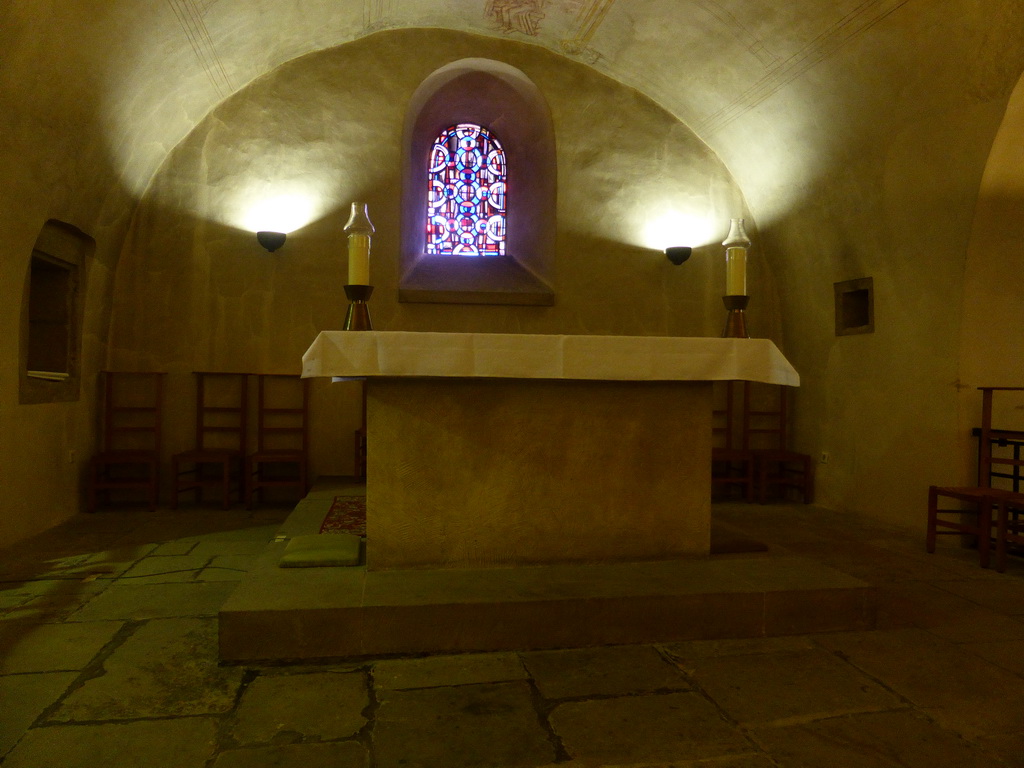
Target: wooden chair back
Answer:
pixel 722 415
pixel 989 465
pixel 222 408
pixel 282 413
pixel 765 423
pixel 132 411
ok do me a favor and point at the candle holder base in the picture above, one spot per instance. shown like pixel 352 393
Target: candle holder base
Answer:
pixel 735 322
pixel 358 316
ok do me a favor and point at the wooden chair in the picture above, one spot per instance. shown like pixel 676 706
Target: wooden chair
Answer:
pixel 359 470
pixel 1009 531
pixel 730 465
pixel 766 435
pixel 990 466
pixel 974 520
pixel 282 436
pixel 222 404
pixel 982 511
pixel 129 456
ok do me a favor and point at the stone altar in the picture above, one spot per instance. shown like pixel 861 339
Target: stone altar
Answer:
pixel 501 450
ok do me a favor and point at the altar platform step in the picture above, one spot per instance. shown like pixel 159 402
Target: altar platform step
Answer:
pixel 305 614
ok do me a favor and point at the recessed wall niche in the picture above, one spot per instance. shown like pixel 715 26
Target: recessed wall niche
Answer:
pixel 855 306
pixel 51 315
pixel 504 100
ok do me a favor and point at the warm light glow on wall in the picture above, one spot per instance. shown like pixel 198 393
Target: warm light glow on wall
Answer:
pixel 675 227
pixel 279 213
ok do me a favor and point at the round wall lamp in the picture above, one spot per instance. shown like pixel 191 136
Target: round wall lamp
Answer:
pixel 271 240
pixel 677 254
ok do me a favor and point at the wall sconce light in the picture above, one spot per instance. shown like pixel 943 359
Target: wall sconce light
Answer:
pixel 271 240
pixel 677 254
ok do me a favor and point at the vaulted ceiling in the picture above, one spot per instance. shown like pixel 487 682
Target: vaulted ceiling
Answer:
pixel 795 85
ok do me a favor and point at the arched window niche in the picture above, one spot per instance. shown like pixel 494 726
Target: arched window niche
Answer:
pixel 505 102
pixel 51 315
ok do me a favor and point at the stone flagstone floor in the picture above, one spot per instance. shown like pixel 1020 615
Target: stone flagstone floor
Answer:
pixel 108 659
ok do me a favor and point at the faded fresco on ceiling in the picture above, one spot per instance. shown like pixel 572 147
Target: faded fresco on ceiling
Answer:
pixel 573 22
pixel 572 26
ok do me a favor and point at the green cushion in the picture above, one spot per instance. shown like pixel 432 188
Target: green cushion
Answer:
pixel 321 549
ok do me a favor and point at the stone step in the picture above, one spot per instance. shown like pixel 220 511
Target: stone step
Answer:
pixel 324 613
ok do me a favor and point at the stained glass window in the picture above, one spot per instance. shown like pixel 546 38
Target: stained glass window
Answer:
pixel 466 194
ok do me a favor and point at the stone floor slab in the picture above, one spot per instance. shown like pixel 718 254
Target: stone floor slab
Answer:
pixel 54 600
pixel 323 706
pixel 1001 595
pixel 152 601
pixel 184 743
pixel 924 604
pixel 168 667
pixel 1008 748
pixel 164 569
pixel 31 647
pixel 987 625
pixel 111 563
pixel 1007 654
pixel 174 547
pixel 469 726
pixel 965 690
pixel 706 649
pixel 231 547
pixel 880 740
pixel 645 729
pixel 20 566
pixel 788 686
pixel 435 671
pixel 757 760
pixel 241 540
pixel 947 681
pixel 345 754
pixel 226 568
pixel 23 698
pixel 14 594
pixel 610 671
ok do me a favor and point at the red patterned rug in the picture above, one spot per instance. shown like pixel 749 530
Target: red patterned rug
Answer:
pixel 347 515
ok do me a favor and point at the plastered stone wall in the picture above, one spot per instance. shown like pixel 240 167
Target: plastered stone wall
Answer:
pixel 54 164
pixel 891 159
pixel 195 292
pixel 863 158
pixel 991 353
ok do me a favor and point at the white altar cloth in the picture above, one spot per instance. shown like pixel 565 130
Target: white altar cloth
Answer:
pixel 359 354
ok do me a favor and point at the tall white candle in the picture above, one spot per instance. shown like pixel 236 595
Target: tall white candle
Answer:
pixel 358 259
pixel 359 228
pixel 735 271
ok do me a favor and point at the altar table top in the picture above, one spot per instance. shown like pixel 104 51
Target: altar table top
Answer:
pixel 370 354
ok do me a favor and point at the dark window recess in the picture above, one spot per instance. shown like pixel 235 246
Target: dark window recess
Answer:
pixel 50 308
pixel 855 307
pixel 51 315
